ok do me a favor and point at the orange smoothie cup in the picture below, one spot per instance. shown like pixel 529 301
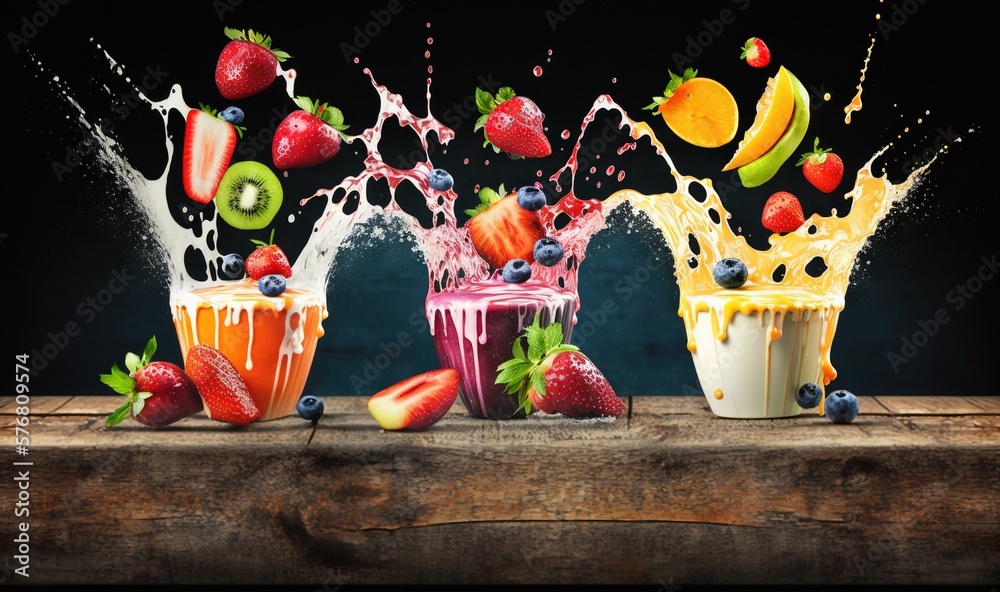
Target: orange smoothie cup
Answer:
pixel 270 340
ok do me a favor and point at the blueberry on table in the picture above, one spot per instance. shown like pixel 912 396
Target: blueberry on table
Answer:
pixel 310 407
pixel 841 406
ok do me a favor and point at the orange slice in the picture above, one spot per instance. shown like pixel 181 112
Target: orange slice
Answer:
pixel 774 111
pixel 702 112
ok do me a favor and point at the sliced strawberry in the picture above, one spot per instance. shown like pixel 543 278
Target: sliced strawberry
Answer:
pixel 554 377
pixel 159 393
pixel 223 390
pixel 268 258
pixel 756 53
pixel 209 143
pixel 512 124
pixel 308 136
pixel 502 230
pixel 247 64
pixel 415 403
pixel 782 213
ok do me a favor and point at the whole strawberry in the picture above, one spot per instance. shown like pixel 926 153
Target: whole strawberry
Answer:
pixel 308 136
pixel 822 168
pixel 782 213
pixel 512 124
pixel 557 378
pixel 224 392
pixel 159 393
pixel 756 53
pixel 247 64
pixel 267 259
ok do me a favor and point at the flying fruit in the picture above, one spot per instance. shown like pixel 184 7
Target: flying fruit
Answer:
pixel 759 171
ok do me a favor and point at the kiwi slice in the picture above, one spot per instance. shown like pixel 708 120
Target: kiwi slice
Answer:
pixel 249 195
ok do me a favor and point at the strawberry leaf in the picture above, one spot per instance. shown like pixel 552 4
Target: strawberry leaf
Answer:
pixel 672 86
pixel 119 414
pixel 234 34
pixel 485 104
pixel 119 381
pixel 487 197
pixel 526 369
pixel 818 154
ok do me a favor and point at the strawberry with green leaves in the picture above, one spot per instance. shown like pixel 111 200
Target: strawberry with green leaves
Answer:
pixel 159 393
pixel 502 230
pixel 512 124
pixel 308 136
pixel 247 64
pixel 555 377
pixel 267 259
pixel 822 168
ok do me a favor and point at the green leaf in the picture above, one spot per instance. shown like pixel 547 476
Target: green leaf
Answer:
pixel 480 123
pixel 305 103
pixel 148 351
pixel 505 93
pixel 119 381
pixel 484 102
pixel 280 55
pixel 132 363
pixel 119 414
pixel 518 351
pixel 234 34
pixel 538 382
pixel 137 404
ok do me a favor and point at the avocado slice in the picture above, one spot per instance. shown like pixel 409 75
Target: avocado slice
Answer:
pixel 758 171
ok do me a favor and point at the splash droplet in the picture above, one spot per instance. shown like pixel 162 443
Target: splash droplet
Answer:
pixel 611 170
pixel 537 71
pixel 565 134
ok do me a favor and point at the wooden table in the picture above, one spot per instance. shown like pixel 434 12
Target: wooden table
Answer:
pixel 908 493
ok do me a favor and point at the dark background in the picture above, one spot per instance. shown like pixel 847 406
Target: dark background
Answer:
pixel 63 239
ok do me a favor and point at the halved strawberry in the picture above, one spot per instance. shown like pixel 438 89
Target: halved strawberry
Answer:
pixel 223 390
pixel 268 258
pixel 554 377
pixel 209 143
pixel 415 403
pixel 502 230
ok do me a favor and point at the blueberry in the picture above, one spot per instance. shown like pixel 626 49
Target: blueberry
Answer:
pixel 232 115
pixel 271 284
pixel 548 251
pixel 730 273
pixel 516 271
pixel 310 407
pixel 232 266
pixel 530 198
pixel 841 406
pixel 440 180
pixel 809 395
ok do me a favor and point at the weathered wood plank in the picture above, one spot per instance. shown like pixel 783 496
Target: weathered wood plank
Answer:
pixel 657 497
pixel 38 405
pixel 921 405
